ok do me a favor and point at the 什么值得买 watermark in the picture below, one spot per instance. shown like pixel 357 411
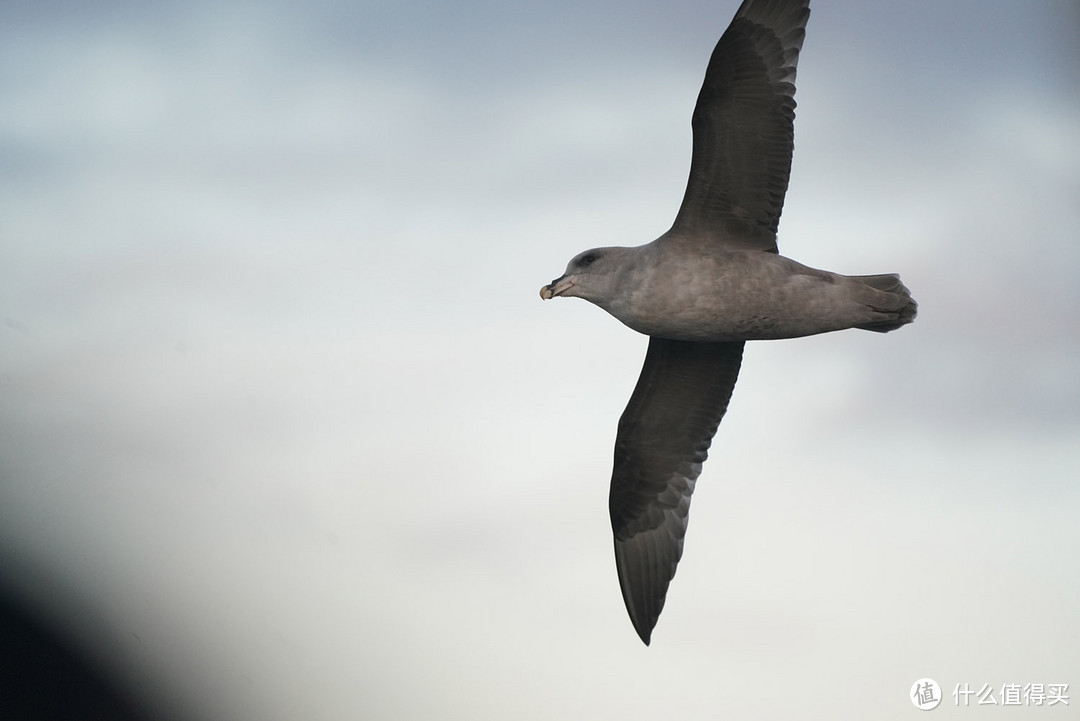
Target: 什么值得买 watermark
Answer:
pixel 926 694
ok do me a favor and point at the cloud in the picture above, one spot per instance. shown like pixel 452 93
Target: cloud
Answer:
pixel 278 395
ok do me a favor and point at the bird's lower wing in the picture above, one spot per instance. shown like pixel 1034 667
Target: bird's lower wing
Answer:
pixel 664 437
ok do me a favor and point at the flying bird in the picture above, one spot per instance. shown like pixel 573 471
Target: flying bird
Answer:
pixel 709 284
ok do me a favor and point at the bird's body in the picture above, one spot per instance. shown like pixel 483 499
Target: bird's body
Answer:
pixel 708 285
pixel 732 294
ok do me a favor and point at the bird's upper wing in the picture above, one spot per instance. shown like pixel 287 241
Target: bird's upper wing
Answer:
pixel 664 437
pixel 743 128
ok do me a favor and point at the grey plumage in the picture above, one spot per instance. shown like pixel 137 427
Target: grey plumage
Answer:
pixel 712 282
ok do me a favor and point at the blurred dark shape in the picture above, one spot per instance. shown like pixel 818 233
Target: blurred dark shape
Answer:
pixel 43 675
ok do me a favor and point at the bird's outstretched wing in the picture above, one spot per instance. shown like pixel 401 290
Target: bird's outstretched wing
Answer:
pixel 743 128
pixel 664 437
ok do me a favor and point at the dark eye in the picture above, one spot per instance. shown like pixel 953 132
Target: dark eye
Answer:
pixel 587 259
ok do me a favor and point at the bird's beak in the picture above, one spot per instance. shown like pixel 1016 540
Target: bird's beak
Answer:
pixel 557 287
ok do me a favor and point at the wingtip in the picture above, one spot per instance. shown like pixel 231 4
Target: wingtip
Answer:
pixel 643 626
pixel 643 613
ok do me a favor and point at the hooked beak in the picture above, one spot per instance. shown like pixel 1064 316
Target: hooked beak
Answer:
pixel 557 287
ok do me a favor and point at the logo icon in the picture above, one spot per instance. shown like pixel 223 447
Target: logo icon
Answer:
pixel 925 694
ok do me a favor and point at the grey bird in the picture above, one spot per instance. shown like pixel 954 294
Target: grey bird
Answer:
pixel 710 283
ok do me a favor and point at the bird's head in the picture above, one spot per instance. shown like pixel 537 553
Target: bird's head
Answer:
pixel 592 275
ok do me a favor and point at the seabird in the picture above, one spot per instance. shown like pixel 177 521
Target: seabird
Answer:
pixel 712 282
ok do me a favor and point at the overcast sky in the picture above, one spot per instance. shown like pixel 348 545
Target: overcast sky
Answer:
pixel 286 431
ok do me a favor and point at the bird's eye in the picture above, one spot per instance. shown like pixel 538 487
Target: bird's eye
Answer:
pixel 588 259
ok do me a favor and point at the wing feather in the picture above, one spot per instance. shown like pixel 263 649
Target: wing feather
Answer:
pixel 664 437
pixel 743 127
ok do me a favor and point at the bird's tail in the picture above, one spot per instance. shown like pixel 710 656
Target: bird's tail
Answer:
pixel 889 301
